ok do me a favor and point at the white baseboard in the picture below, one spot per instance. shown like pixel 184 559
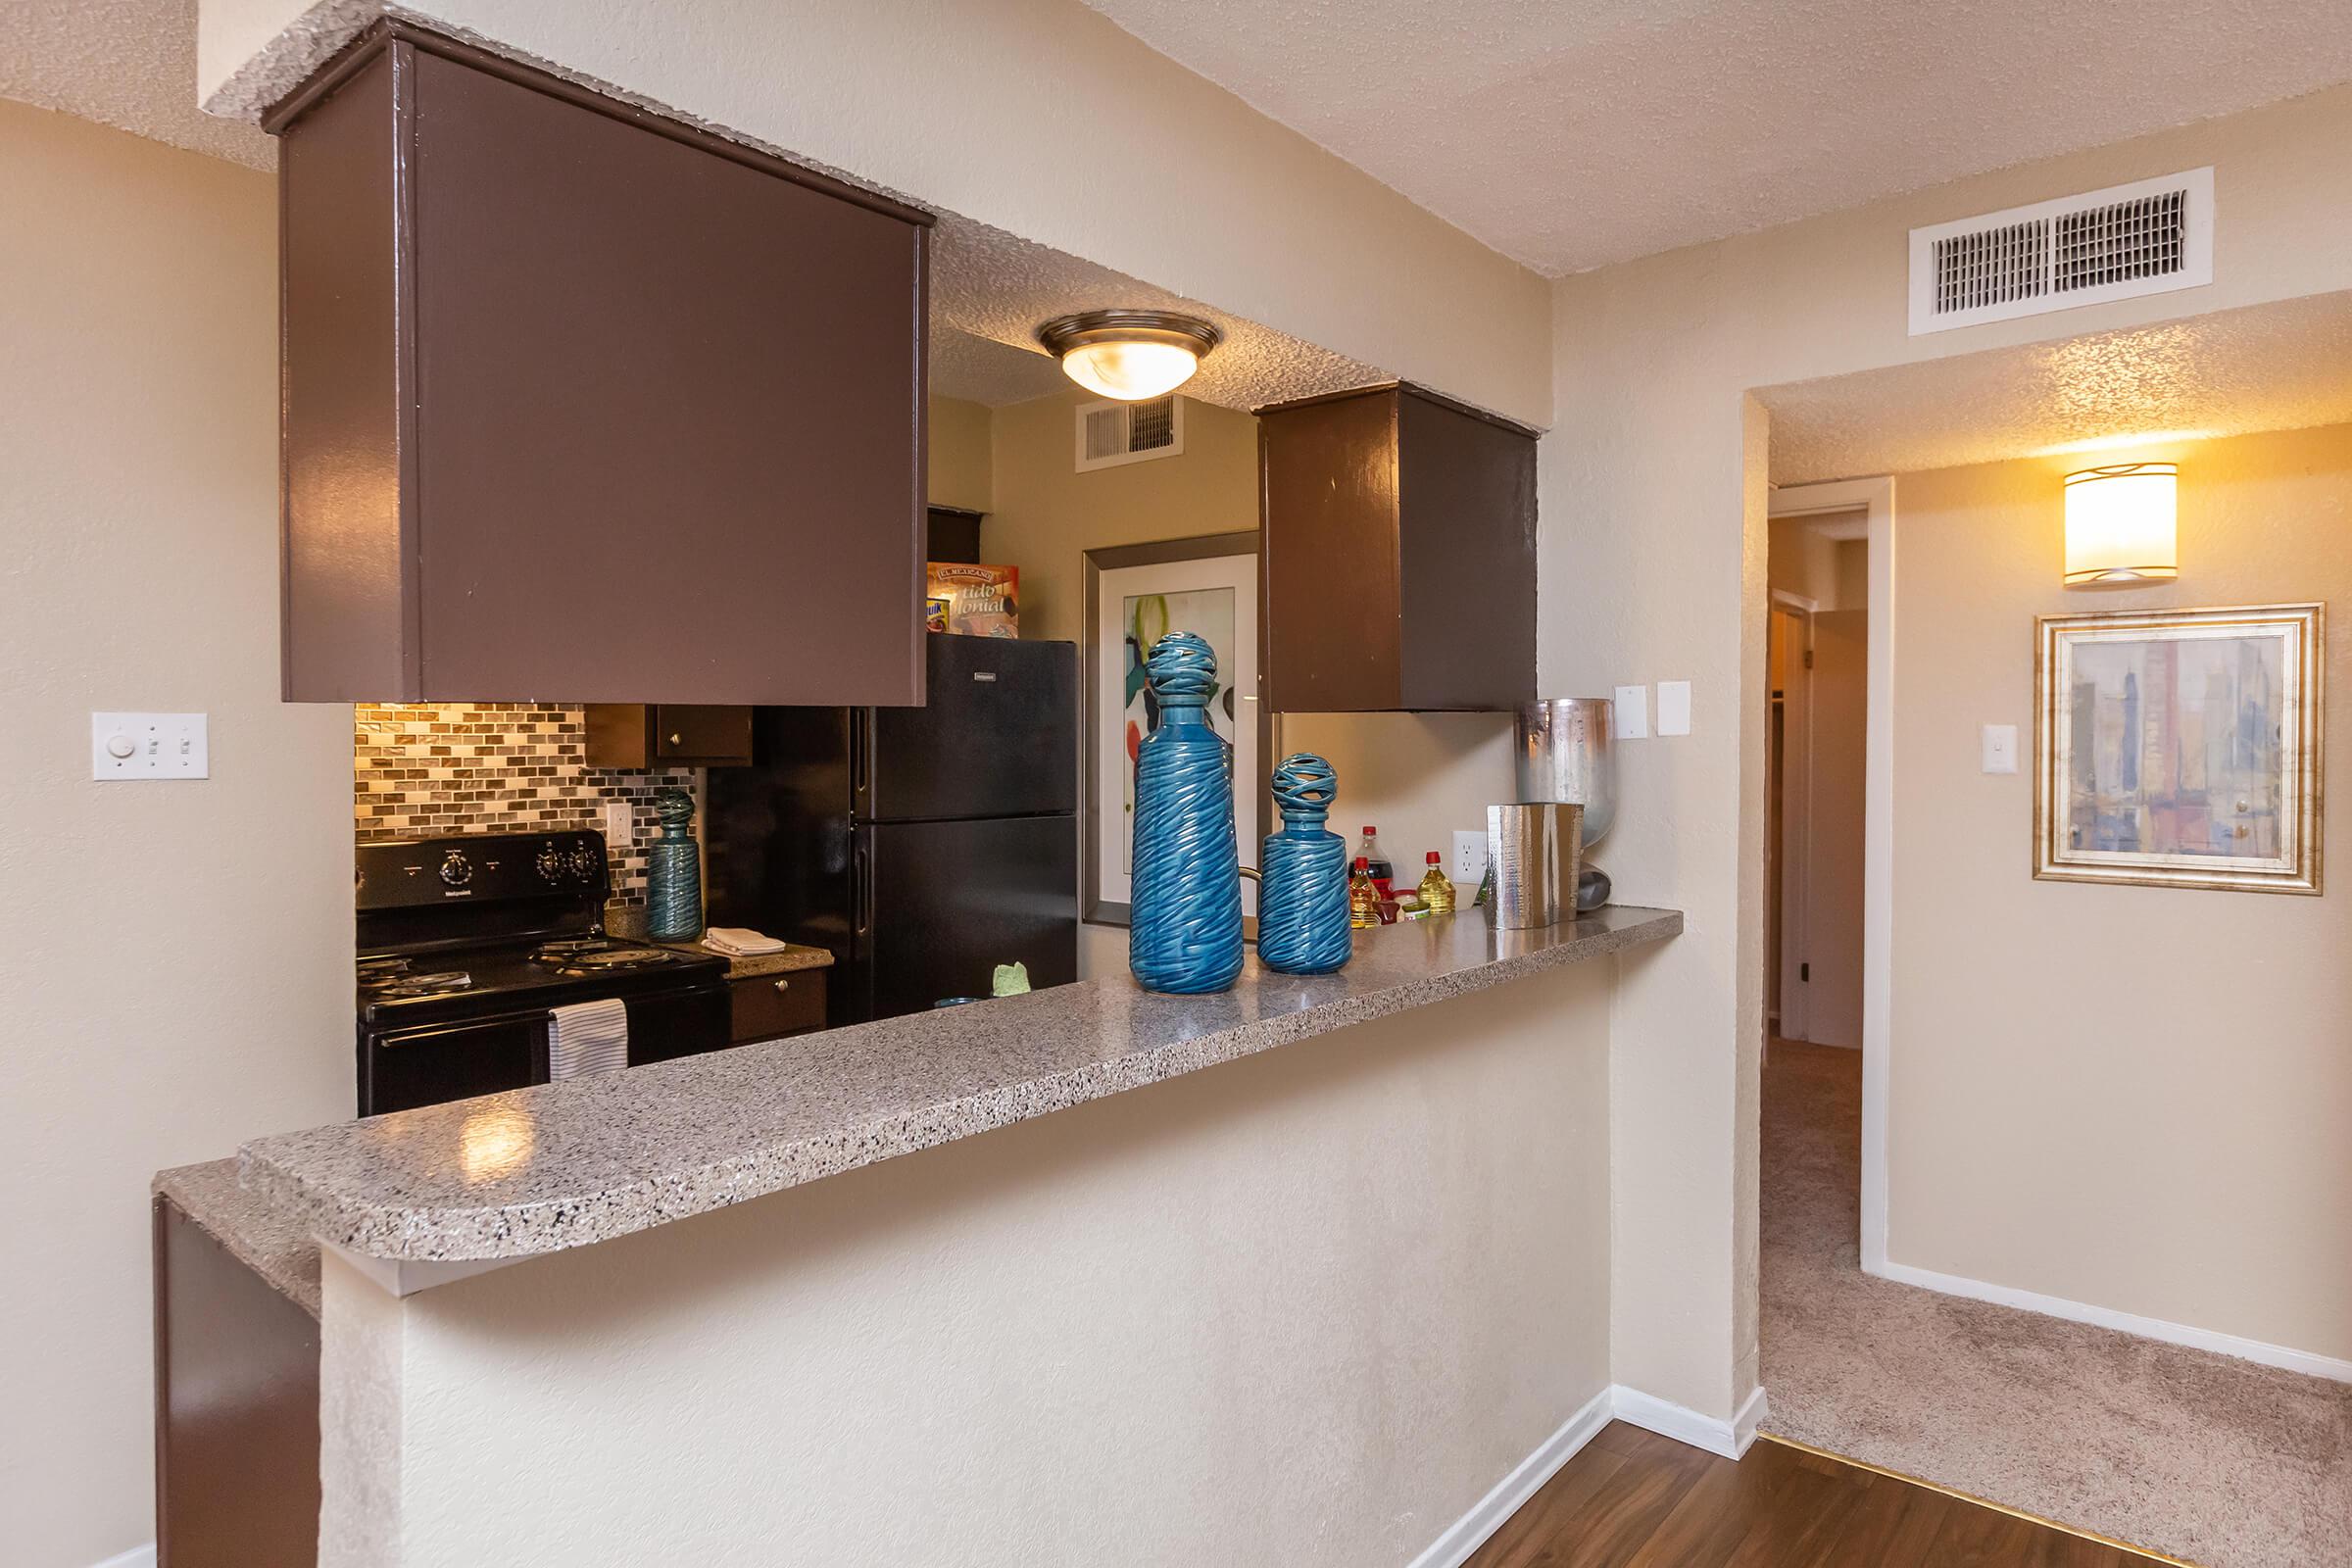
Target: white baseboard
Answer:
pixel 1667 1419
pixel 1470 1531
pixel 2306 1362
pixel 135 1557
pixel 1616 1402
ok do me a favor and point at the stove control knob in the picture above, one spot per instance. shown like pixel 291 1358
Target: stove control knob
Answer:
pixel 455 869
pixel 585 862
pixel 550 865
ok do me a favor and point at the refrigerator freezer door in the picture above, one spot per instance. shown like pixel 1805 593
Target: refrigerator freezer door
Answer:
pixel 997 736
pixel 945 903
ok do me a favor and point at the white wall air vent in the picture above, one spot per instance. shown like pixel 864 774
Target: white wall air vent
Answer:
pixel 2145 238
pixel 1111 432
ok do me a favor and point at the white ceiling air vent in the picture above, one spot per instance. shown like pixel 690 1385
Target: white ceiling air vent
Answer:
pixel 1111 432
pixel 2145 238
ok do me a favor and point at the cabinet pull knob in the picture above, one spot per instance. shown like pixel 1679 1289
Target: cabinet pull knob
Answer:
pixel 783 985
pixel 676 740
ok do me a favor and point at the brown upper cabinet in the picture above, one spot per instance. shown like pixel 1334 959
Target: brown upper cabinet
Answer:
pixel 585 405
pixel 1399 554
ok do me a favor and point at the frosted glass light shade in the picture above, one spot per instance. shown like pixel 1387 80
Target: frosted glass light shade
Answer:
pixel 2122 525
pixel 1130 371
pixel 1129 355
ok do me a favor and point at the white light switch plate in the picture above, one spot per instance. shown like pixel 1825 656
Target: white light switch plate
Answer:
pixel 1469 858
pixel 1674 707
pixel 147 746
pixel 2000 748
pixel 1633 712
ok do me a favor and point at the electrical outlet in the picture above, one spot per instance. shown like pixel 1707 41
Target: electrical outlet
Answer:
pixel 1469 858
pixel 620 824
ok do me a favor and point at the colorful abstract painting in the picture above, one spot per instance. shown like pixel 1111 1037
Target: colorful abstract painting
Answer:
pixel 2181 747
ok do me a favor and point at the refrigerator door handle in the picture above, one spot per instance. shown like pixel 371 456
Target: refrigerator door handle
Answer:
pixel 861 762
pixel 862 892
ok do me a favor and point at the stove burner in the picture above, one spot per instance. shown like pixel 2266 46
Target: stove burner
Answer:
pixel 599 955
pixel 394 983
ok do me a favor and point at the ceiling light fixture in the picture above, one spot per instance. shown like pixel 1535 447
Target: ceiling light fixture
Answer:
pixel 2122 525
pixel 1128 355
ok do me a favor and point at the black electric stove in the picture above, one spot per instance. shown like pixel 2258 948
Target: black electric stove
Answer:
pixel 464 944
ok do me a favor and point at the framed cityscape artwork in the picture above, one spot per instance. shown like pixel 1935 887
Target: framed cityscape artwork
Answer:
pixel 1135 595
pixel 2179 748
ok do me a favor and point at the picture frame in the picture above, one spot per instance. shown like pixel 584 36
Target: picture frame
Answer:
pixel 1210 584
pixel 2180 748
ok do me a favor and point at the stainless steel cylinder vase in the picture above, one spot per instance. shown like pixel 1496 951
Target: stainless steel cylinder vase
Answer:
pixel 1563 758
pixel 1184 907
pixel 1302 889
pixel 673 878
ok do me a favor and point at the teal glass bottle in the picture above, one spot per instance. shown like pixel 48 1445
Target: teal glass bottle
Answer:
pixel 1302 895
pixel 1185 909
pixel 673 892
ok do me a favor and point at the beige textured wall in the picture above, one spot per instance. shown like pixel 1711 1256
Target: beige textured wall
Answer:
pixel 960 472
pixel 175 958
pixel 2136 1098
pixel 1805 564
pixel 1652 553
pixel 1032 116
pixel 1047 514
pixel 1303 1308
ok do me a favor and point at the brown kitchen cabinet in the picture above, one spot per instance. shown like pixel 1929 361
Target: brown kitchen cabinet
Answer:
pixel 767 1007
pixel 643 735
pixel 585 405
pixel 1400 547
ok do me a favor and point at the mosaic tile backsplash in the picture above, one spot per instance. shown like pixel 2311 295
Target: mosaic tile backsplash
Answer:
pixel 419 770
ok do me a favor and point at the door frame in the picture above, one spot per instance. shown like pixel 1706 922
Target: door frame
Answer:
pixel 1794 782
pixel 1874 499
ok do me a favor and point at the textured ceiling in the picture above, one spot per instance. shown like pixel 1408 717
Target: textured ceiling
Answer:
pixel 129 64
pixel 2279 366
pixel 998 288
pixel 1572 135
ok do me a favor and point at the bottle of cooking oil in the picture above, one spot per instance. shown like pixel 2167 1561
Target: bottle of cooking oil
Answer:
pixel 1363 896
pixel 1437 887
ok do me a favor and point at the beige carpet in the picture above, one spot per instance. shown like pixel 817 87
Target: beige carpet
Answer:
pixel 2200 1456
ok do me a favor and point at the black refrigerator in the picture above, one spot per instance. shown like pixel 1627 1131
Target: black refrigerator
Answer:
pixel 921 846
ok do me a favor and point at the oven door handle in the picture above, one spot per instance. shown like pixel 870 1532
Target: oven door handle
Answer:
pixel 393 1036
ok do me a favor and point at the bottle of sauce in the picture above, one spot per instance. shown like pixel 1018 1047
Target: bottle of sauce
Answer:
pixel 1383 874
pixel 1363 897
pixel 1437 887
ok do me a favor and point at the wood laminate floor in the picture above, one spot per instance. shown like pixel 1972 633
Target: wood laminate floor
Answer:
pixel 1633 1500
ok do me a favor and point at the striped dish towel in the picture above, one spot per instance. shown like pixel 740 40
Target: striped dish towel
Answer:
pixel 587 1037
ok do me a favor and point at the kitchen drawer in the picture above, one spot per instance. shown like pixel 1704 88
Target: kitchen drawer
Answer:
pixel 771 1004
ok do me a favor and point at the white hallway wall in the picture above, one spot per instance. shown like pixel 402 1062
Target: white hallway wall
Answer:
pixel 1654 483
pixel 175 958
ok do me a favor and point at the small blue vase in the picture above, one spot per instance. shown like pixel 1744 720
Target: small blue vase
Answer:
pixel 1184 907
pixel 1303 892
pixel 673 878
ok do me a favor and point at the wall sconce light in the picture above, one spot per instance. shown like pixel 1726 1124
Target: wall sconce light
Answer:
pixel 1129 355
pixel 2122 525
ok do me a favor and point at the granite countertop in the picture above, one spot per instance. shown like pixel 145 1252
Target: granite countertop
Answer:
pixel 266 1236
pixel 568 1164
pixel 794 957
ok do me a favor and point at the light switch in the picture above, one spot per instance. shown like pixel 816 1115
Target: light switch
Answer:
pixel 147 746
pixel 1633 712
pixel 2000 748
pixel 1674 707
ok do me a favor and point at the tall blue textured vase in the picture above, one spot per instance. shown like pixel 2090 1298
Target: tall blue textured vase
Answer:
pixel 1302 895
pixel 1185 904
pixel 674 877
